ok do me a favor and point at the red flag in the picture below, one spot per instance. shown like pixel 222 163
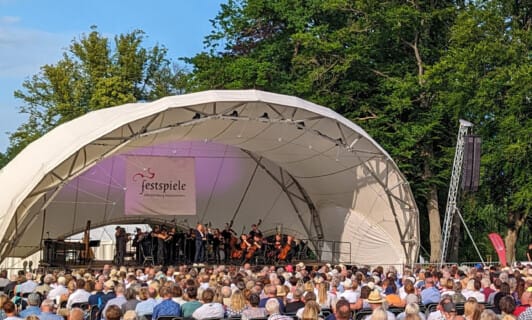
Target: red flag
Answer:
pixel 498 244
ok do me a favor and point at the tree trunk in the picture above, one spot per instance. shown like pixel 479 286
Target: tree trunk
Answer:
pixel 509 241
pixel 515 222
pixel 435 225
pixel 455 238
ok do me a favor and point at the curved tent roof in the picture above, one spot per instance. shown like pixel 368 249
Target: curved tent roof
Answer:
pixel 296 165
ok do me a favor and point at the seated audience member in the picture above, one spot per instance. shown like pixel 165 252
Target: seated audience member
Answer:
pixel 33 308
pixel 507 307
pixel 131 297
pixel 342 311
pixel 271 292
pixel 130 315
pixel 376 301
pixel 47 311
pixel 209 309
pixel 10 311
pixel 167 307
pixel 188 308
pixel 75 314
pixel 112 312
pixel 438 314
pixel 311 311
pixel 411 309
pixel 254 311
pixel 147 302
pixel 80 295
pixel 296 303
pixel 272 308
pixel 237 304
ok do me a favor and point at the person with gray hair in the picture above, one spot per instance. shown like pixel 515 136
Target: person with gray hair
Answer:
pixel 76 314
pixel 45 287
pixel 34 301
pixel 272 308
pixel 47 311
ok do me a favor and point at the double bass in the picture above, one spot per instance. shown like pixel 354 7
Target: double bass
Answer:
pixel 283 254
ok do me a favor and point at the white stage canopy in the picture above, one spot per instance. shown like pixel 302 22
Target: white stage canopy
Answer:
pixel 296 165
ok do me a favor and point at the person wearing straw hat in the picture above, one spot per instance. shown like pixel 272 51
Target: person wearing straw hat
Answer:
pixel 376 301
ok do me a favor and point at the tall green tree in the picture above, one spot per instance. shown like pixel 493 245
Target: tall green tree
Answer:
pixel 95 72
pixel 486 77
pixel 365 59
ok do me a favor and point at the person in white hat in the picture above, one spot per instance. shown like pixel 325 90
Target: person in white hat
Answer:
pixel 376 301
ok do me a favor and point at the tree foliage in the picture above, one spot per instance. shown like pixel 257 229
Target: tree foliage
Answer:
pixel 406 71
pixel 93 74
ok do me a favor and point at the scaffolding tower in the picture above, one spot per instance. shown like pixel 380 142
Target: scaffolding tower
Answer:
pixel 451 207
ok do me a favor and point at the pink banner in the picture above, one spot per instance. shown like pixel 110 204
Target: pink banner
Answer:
pixel 160 186
pixel 499 246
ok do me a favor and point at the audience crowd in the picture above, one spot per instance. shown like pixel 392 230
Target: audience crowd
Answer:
pixel 267 292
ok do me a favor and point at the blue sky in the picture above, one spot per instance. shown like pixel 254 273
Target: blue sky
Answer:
pixel 36 32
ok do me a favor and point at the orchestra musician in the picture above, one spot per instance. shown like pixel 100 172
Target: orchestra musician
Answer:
pixel 216 241
pixel 200 241
pixel 255 232
pixel 170 243
pixel 255 248
pixel 190 243
pixel 228 234
pixel 137 243
pixel 159 234
pixel 121 241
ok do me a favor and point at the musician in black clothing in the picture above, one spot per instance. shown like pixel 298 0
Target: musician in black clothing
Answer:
pixel 137 243
pixel 190 246
pixel 216 241
pixel 255 232
pixel 227 234
pixel 170 243
pixel 121 242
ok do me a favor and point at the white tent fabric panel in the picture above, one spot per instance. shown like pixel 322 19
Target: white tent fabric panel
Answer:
pixel 259 156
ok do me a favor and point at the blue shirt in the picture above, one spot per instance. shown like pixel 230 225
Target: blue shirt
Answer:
pixel 50 316
pixel 145 307
pixel 430 295
pixel 31 310
pixel 167 307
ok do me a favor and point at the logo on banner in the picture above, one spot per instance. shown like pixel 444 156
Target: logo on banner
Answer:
pixel 166 186
pixel 154 188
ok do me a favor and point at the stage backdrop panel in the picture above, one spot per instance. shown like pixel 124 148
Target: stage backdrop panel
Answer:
pixel 160 185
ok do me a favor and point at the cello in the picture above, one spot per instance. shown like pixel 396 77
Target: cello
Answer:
pixel 253 248
pixel 286 249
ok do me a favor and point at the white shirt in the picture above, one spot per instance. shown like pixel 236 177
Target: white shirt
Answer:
pixel 28 286
pixel 436 315
pixel 209 310
pixel 349 295
pixel 57 291
pixel 475 294
pixel 78 296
